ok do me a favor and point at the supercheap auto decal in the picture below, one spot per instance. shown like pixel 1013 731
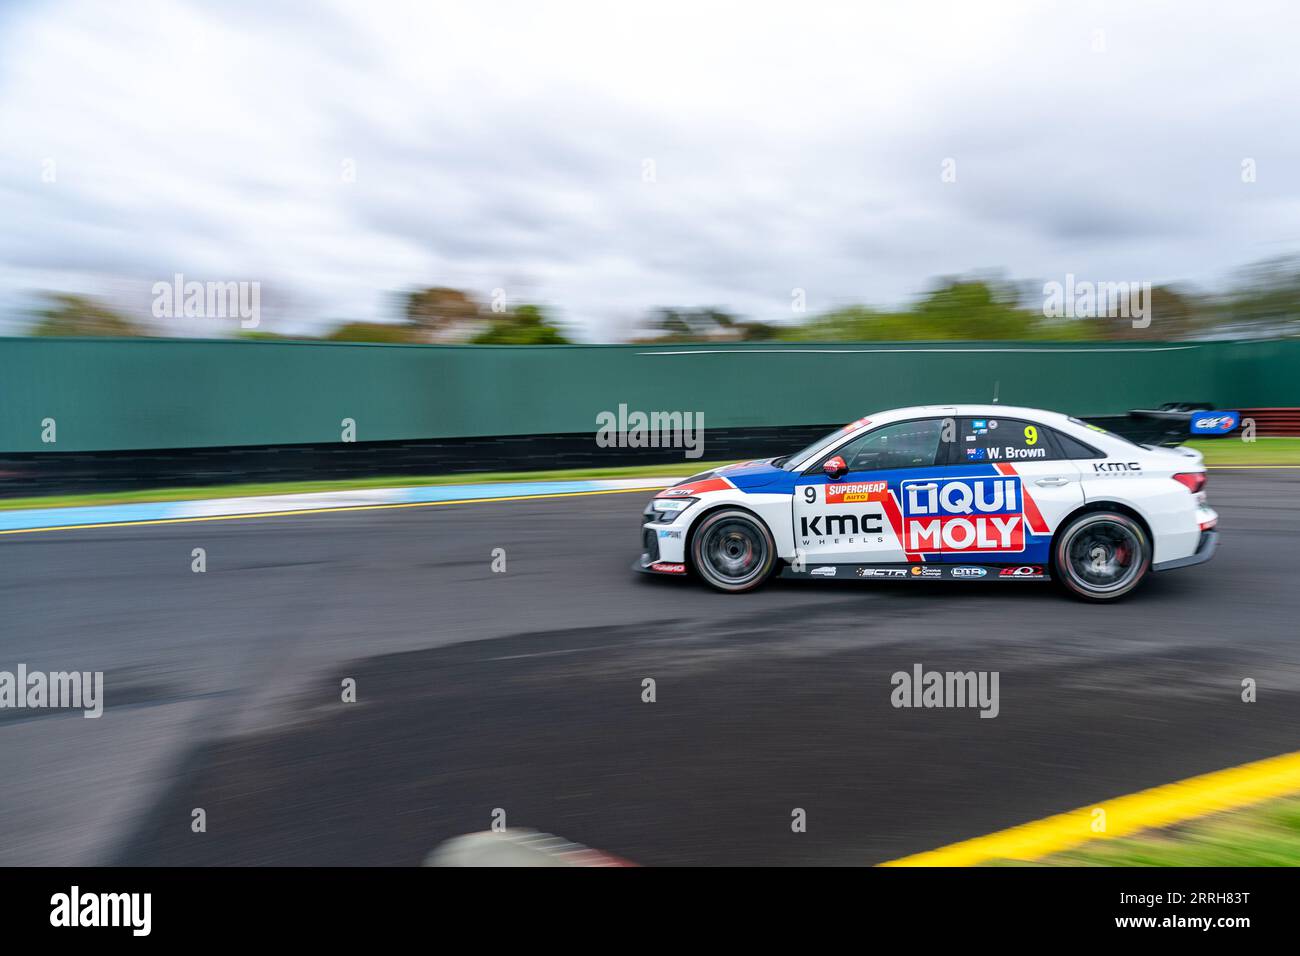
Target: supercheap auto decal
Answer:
pixel 852 492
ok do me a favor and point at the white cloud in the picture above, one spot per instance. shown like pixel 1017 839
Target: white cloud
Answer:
pixel 502 144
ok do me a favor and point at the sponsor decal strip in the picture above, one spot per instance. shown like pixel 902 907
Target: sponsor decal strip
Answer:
pixel 927 572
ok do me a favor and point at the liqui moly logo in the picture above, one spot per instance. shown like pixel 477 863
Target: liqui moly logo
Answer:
pixel 963 515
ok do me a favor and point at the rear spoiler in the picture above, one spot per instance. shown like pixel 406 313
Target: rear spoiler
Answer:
pixel 1171 424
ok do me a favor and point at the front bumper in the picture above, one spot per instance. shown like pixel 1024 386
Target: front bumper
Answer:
pixel 662 549
pixel 1205 549
pixel 662 541
pixel 669 568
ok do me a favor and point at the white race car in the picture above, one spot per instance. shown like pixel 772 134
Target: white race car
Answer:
pixel 965 493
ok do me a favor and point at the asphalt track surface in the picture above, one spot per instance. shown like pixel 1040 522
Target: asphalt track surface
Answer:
pixel 522 690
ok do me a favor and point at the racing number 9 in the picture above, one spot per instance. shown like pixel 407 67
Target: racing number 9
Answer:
pixel 1031 435
pixel 810 494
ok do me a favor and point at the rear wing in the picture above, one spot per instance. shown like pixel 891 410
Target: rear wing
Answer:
pixel 1171 424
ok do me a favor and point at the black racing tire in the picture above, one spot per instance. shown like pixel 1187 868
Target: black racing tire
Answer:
pixel 1102 555
pixel 732 550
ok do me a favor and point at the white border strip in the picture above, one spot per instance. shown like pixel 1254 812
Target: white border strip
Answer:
pixel 1160 348
pixel 37 518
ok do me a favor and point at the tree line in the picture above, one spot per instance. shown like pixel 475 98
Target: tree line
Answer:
pixel 1262 300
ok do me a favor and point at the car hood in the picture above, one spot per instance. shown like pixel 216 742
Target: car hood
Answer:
pixel 745 475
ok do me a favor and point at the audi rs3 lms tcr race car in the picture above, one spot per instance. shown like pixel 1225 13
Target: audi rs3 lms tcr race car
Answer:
pixel 965 493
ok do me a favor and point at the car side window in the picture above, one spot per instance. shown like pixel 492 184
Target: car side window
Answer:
pixel 913 444
pixel 1073 449
pixel 1003 439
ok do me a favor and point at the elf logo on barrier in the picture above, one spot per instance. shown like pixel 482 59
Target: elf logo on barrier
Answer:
pixel 1214 423
pixel 943 515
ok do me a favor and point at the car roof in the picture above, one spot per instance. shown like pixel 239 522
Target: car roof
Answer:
pixel 981 411
pixel 875 419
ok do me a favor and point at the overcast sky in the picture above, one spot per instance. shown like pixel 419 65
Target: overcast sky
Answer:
pixel 788 145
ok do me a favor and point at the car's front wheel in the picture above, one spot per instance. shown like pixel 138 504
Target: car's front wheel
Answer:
pixel 732 550
pixel 1102 555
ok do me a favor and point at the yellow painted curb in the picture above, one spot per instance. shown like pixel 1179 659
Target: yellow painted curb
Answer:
pixel 1159 807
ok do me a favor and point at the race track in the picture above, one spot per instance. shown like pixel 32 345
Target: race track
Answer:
pixel 522 690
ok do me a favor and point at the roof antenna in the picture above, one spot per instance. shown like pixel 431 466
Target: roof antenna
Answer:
pixel 996 384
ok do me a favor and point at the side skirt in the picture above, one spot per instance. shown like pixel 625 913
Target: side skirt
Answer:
pixel 919 572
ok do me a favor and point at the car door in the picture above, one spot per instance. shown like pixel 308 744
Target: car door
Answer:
pixel 855 518
pixel 1014 467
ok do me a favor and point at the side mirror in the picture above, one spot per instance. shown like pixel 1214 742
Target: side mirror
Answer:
pixel 835 468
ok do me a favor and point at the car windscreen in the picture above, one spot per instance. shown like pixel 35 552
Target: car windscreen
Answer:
pixel 790 461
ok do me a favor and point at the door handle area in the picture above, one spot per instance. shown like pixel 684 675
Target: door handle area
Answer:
pixel 1052 482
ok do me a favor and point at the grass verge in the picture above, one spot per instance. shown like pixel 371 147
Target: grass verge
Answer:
pixel 1264 835
pixel 1225 452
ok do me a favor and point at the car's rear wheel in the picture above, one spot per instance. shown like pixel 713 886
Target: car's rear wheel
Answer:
pixel 1102 555
pixel 732 550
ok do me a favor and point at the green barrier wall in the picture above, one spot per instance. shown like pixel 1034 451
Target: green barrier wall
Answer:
pixel 107 394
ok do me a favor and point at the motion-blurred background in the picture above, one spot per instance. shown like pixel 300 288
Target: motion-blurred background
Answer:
pixel 444 177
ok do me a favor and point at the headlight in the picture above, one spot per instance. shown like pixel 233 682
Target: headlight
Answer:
pixel 665 509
